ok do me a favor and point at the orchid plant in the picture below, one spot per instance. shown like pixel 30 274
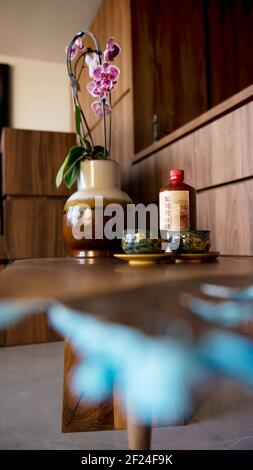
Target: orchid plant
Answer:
pixel 104 76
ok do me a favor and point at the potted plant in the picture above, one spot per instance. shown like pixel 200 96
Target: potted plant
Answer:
pixel 96 173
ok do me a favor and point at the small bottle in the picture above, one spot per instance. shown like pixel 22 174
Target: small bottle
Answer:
pixel 177 204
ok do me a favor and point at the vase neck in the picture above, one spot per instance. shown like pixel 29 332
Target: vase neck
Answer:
pixel 99 174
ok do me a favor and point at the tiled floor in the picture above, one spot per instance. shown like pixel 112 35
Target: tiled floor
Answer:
pixel 30 410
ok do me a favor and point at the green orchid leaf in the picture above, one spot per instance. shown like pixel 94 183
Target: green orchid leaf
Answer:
pixel 71 177
pixel 78 119
pixel 75 152
pixel 86 144
pixel 72 173
pixel 59 176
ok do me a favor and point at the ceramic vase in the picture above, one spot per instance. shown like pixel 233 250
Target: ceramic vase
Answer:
pixel 99 185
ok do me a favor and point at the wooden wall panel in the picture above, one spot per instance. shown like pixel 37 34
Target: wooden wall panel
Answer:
pixel 114 20
pixel 151 173
pixel 217 157
pixel 223 150
pixel 229 35
pixel 122 135
pixel 169 69
pixel 2 332
pixel 31 160
pixel 33 227
pixel 30 330
pixel 219 152
pixel 3 254
pixel 227 212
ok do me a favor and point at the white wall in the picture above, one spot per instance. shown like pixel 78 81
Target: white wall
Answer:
pixel 40 29
pixel 40 94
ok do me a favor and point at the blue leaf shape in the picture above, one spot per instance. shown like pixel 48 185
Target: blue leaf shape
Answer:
pixel 93 378
pixel 153 375
pixel 228 354
pixel 245 294
pixel 13 311
pixel 226 313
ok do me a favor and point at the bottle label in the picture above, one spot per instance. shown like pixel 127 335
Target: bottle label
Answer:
pixel 174 210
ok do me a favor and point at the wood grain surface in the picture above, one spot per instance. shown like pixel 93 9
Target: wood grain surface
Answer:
pixel 168 66
pixel 33 227
pixel 3 254
pixel 217 153
pixel 77 413
pixel 31 330
pixel 119 413
pixel 226 212
pixel 218 162
pixel 229 38
pixel 31 160
pixel 102 285
pixel 193 55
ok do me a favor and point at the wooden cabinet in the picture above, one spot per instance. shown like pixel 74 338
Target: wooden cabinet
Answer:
pixel 33 227
pixel 226 211
pixel 31 210
pixel 188 56
pixel 216 153
pixel 31 205
pixel 229 41
pixel 30 161
pixel 169 76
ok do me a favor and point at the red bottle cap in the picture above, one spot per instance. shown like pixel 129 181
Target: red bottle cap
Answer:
pixel 177 175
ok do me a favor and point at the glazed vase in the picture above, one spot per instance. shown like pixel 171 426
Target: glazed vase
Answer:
pixel 99 185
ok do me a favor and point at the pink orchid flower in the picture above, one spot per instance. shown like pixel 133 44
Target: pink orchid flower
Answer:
pixel 94 88
pixel 92 60
pixel 105 78
pixel 75 48
pixel 106 72
pixel 97 107
pixel 111 51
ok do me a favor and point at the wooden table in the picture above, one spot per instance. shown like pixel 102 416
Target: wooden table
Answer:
pixel 137 296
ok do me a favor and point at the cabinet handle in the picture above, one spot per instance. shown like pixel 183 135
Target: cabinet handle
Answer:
pixel 155 125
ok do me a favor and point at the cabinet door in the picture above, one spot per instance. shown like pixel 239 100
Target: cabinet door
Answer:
pixel 169 69
pixel 30 162
pixel 229 33
pixel 33 227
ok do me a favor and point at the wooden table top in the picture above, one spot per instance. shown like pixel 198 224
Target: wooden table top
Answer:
pixel 67 279
pixel 145 297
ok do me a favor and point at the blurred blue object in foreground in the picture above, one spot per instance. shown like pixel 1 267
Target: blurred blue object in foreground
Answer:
pixel 223 292
pixel 153 375
pixel 228 313
pixel 13 311
pixel 229 354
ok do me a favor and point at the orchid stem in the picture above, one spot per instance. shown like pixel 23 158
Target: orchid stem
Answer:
pixel 74 80
pixel 104 121
pixel 110 124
